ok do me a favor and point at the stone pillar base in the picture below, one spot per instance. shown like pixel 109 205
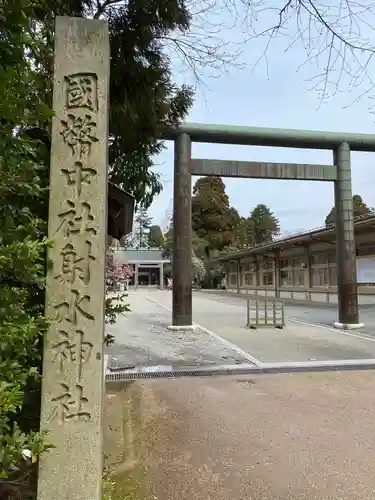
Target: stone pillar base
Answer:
pixel 348 326
pixel 181 328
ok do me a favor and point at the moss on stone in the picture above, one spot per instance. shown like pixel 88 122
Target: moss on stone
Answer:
pixel 125 477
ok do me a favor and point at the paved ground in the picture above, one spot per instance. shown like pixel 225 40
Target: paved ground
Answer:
pixel 274 437
pixel 293 436
pixel 142 337
pixel 315 312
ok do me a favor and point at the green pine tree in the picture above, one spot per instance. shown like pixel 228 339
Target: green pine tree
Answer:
pixel 155 237
pixel 265 225
pixel 359 209
pixel 213 219
pixel 143 222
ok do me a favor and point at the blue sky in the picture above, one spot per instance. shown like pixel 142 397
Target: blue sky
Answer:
pixel 276 94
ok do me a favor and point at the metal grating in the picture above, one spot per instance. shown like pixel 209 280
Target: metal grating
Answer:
pixel 152 373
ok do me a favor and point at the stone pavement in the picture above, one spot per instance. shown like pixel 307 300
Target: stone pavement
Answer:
pixel 298 341
pixel 313 312
pixel 142 338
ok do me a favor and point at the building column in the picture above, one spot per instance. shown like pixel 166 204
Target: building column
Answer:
pixel 277 273
pixel 257 272
pixel 161 268
pixel 238 276
pixel 136 276
pixel 226 275
pixel 308 273
pixel 182 317
pixel 345 242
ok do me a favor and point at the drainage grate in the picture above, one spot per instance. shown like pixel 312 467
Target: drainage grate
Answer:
pixel 164 372
pixel 150 372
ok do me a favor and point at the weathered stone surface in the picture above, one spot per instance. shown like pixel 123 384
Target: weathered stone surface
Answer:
pixel 73 357
pixel 261 170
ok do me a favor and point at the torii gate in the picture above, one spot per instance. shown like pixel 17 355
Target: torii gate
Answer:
pixel 339 172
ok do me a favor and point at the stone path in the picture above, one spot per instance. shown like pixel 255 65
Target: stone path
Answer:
pixel 298 342
pixel 142 340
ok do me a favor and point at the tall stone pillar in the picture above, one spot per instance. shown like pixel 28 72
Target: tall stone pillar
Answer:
pixel 182 233
pixel 345 242
pixel 72 384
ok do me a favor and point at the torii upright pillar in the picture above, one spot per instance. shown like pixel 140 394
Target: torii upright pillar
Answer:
pixel 182 318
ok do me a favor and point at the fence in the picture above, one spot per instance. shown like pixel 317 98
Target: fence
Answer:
pixel 265 313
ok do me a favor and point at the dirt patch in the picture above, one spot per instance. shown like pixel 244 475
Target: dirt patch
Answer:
pixel 137 422
pixel 279 437
pixel 124 473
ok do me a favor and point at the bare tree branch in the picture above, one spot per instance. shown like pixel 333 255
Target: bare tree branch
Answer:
pixel 202 46
pixel 337 35
pixel 101 7
pixel 211 45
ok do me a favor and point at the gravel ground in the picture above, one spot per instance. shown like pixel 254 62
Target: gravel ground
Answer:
pixel 268 437
pixel 142 338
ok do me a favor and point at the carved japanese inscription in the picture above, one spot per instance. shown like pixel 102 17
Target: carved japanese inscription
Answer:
pixel 76 221
pixel 72 388
pixel 74 265
pixel 78 175
pixel 74 308
pixel 77 218
pixel 78 133
pixel 81 90
pixel 69 405
pixel 72 348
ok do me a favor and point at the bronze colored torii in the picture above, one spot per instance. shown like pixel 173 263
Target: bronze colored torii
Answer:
pixel 339 172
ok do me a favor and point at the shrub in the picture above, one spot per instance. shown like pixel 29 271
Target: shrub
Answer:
pixel 23 197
